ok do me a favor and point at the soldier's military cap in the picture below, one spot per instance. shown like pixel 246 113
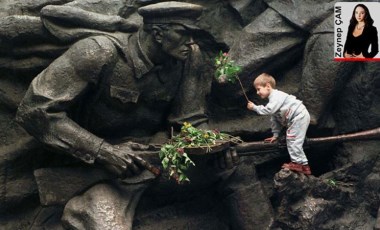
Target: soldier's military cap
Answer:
pixel 171 13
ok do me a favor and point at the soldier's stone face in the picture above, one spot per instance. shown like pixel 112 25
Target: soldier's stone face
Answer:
pixel 177 42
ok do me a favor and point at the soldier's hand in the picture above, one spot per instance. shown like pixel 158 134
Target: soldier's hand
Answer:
pixel 228 158
pixel 122 161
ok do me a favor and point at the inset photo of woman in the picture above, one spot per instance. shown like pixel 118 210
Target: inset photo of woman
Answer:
pixel 356 34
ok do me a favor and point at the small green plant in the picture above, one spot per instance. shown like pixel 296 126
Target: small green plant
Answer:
pixel 331 182
pixel 173 154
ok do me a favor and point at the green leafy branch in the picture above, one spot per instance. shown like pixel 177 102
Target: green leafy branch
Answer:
pixel 173 154
pixel 227 71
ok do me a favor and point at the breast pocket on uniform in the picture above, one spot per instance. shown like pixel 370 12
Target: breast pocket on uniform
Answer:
pixel 124 95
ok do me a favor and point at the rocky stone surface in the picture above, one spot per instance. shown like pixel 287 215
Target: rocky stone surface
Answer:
pixel 340 199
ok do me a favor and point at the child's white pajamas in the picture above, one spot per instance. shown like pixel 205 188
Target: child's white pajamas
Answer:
pixel 286 110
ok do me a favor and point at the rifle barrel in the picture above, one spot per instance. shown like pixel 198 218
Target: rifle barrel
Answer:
pixel 260 146
pixel 363 135
pixel 257 147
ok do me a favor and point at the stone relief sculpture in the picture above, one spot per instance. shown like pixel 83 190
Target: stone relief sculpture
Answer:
pixel 124 82
pixel 108 89
pixel 99 83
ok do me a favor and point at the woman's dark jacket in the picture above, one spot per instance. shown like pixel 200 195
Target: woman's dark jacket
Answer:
pixel 360 44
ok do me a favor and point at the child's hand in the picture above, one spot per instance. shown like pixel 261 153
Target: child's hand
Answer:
pixel 250 105
pixel 270 139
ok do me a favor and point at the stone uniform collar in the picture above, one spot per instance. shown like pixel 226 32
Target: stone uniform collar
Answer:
pixel 141 63
pixel 130 47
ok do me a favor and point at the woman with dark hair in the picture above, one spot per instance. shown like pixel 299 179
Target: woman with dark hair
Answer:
pixel 361 34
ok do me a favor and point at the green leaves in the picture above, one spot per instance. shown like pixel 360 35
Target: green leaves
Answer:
pixel 226 70
pixel 176 160
pixel 173 154
pixel 331 182
pixel 165 162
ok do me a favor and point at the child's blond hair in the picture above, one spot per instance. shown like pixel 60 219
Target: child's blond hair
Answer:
pixel 263 79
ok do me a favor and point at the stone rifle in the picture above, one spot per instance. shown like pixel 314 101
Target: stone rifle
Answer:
pixel 58 185
pixel 260 147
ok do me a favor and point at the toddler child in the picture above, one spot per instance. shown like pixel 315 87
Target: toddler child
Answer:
pixel 286 111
